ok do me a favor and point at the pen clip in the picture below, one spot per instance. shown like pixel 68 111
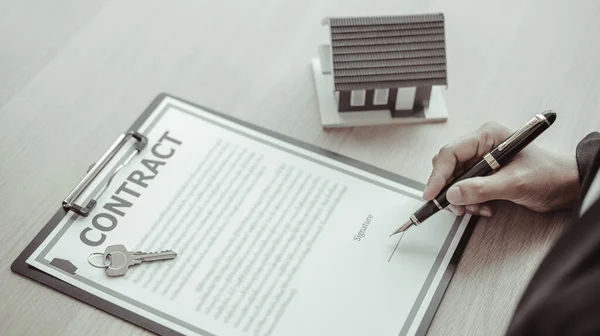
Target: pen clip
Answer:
pixel 531 123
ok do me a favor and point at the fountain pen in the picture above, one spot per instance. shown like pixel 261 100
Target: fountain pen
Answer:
pixel 498 157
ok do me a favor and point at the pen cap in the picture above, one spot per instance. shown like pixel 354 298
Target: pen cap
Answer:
pixel 523 137
pixel 550 116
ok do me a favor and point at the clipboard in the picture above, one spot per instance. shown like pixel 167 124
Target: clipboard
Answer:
pixel 70 205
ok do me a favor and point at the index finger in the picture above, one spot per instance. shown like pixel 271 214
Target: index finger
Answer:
pixel 474 145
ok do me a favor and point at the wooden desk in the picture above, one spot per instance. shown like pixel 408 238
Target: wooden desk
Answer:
pixel 74 74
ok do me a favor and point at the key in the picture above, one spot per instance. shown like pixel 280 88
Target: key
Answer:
pixel 120 259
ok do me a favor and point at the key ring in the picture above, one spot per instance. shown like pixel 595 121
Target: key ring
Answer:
pixel 105 259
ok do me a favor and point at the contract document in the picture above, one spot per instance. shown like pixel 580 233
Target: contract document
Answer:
pixel 273 237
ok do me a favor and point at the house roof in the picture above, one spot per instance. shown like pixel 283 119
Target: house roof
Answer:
pixel 388 51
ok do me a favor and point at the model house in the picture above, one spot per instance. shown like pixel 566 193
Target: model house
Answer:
pixel 388 64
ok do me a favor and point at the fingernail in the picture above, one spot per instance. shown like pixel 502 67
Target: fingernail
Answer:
pixel 471 208
pixel 454 195
pixel 427 192
pixel 485 212
pixel 453 209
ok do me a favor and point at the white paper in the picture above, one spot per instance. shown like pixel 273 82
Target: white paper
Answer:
pixel 272 238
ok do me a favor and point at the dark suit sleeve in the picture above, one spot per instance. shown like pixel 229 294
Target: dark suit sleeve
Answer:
pixel 586 154
pixel 562 296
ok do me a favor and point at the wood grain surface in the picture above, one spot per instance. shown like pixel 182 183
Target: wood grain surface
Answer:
pixel 74 74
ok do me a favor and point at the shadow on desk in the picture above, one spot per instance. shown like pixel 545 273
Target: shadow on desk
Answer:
pixel 500 258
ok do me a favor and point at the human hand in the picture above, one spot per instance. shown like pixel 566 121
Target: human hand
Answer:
pixel 538 179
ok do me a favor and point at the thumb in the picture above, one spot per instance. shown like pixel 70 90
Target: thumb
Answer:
pixel 480 189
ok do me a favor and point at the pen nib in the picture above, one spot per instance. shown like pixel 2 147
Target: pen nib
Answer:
pixel 403 228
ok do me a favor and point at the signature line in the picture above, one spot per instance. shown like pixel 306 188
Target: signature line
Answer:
pixel 399 239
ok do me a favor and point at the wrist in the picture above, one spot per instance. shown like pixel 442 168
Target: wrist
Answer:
pixel 567 178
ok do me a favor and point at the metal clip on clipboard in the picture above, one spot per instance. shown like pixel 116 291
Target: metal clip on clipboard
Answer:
pixel 69 202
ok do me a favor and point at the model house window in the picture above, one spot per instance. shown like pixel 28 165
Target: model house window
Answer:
pixel 380 97
pixel 357 98
pixel 405 98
